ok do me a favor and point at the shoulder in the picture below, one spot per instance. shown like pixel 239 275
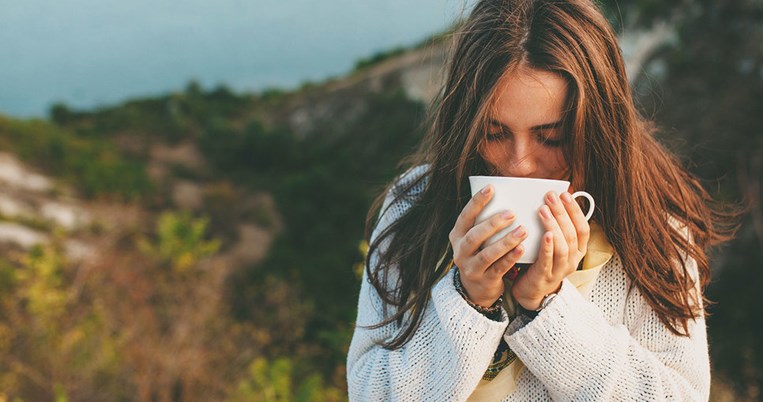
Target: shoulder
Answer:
pixel 407 188
pixel 413 181
pixel 402 195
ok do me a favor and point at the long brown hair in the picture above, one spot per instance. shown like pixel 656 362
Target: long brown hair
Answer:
pixel 613 155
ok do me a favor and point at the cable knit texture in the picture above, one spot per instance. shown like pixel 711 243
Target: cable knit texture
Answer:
pixel 610 346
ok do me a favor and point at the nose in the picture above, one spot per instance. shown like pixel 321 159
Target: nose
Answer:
pixel 520 160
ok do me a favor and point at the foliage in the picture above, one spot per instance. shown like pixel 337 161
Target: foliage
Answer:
pixel 180 241
pixel 95 167
pixel 56 342
pixel 272 381
pixel 309 176
pixel 40 285
pixel 254 149
pixel 323 191
pixel 171 117
pixel 122 327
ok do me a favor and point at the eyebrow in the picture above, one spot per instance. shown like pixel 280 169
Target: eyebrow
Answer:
pixel 540 127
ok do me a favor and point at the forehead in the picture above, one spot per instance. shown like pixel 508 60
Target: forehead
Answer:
pixel 527 97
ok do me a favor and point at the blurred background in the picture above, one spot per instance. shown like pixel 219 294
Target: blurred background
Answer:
pixel 184 184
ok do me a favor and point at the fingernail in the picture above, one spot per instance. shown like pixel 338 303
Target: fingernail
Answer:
pixel 566 197
pixel 518 232
pixel 545 212
pixel 552 197
pixel 486 189
pixel 518 251
pixel 507 215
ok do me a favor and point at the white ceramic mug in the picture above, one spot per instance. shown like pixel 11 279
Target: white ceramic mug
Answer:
pixel 524 197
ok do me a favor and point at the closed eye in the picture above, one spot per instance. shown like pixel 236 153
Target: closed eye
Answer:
pixel 497 135
pixel 551 136
pixel 553 143
pixel 546 134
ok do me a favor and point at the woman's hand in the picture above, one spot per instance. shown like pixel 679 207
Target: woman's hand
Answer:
pixel 482 270
pixel 562 248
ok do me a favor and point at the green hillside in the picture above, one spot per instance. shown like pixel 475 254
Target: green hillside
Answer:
pixel 281 323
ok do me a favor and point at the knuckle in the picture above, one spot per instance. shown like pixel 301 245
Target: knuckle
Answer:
pixel 500 262
pixel 469 205
pixel 469 239
pixel 474 203
pixel 483 259
pixel 461 249
pixel 503 264
pixel 549 250
pixel 507 242
pixel 563 249
pixel 571 239
pixel 509 260
pixel 458 258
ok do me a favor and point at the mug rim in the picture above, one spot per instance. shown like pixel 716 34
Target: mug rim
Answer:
pixel 518 178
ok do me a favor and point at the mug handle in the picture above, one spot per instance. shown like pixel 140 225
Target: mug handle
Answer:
pixel 590 201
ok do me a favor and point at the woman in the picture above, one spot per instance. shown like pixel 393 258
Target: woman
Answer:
pixel 609 311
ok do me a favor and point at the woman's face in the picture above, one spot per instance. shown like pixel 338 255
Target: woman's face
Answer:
pixel 525 136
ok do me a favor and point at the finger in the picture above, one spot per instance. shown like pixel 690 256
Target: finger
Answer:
pixel 477 235
pixel 563 219
pixel 544 264
pixel 561 249
pixel 528 287
pixel 492 253
pixel 468 215
pixel 582 227
pixel 505 263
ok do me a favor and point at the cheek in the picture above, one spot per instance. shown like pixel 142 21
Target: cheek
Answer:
pixel 487 152
pixel 555 161
pixel 494 155
pixel 561 161
pixel 552 162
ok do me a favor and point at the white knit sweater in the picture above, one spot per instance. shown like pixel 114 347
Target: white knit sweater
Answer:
pixel 610 346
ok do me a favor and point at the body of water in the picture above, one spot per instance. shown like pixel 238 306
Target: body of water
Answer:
pixel 87 53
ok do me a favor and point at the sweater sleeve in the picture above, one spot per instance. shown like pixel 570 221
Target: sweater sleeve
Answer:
pixel 443 361
pixel 578 355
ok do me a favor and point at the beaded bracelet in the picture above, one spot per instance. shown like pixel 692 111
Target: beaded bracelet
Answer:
pixel 490 312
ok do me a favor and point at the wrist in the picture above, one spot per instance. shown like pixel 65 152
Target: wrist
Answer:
pixel 542 303
pixel 539 304
pixel 530 304
pixel 546 301
pixel 494 308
